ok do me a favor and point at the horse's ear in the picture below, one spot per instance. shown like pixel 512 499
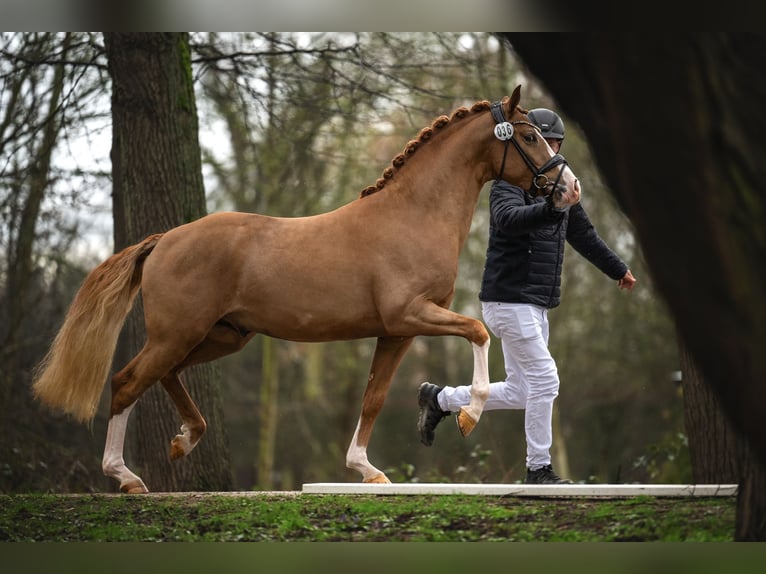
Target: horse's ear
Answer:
pixel 515 99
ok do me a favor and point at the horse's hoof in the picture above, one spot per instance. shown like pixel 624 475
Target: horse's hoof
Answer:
pixel 377 479
pixel 137 490
pixel 182 444
pixel 134 488
pixel 465 422
pixel 177 449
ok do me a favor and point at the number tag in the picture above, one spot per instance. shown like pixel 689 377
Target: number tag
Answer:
pixel 504 131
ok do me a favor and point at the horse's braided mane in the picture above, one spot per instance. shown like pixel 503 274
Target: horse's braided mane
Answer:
pixel 424 135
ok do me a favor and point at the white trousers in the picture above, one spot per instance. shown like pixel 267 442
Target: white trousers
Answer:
pixel 531 378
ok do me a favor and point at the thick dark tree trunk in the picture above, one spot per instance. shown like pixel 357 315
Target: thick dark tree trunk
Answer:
pixel 719 454
pixel 714 445
pixel 751 499
pixel 157 186
pixel 676 126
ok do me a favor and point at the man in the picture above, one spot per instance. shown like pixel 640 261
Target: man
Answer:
pixel 521 282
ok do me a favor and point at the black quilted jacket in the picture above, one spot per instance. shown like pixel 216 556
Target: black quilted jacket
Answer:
pixel 526 248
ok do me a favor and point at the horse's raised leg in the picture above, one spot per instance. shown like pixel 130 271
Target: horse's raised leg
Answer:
pixel 388 354
pixel 193 424
pixel 428 318
pixel 220 341
pixel 469 415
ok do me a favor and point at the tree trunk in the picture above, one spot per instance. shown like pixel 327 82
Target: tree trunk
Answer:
pixel 751 498
pixel 157 186
pixel 713 443
pixel 559 452
pixel 719 453
pixel 267 412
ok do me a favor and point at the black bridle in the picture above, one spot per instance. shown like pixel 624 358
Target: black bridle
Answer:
pixel 504 131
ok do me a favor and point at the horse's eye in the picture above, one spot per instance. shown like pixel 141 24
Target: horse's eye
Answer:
pixel 530 138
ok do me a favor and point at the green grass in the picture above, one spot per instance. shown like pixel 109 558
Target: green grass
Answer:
pixel 361 518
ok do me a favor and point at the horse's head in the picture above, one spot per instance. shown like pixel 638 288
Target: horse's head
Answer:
pixel 524 158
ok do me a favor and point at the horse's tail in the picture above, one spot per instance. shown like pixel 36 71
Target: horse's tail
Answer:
pixel 72 375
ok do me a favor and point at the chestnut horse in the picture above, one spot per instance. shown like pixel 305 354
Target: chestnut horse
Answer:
pixel 383 265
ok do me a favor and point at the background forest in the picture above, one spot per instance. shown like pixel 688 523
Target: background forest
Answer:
pixel 292 125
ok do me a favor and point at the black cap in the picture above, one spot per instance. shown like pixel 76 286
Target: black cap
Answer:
pixel 549 122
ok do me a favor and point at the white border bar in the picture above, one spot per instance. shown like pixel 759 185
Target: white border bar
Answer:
pixel 542 490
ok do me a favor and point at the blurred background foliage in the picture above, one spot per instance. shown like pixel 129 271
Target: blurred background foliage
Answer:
pixel 292 125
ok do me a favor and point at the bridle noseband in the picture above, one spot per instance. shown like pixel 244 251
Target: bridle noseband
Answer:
pixel 504 131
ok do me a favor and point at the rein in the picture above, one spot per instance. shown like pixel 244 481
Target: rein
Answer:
pixel 504 131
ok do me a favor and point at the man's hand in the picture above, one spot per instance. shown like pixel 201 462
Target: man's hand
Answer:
pixel 627 282
pixel 563 200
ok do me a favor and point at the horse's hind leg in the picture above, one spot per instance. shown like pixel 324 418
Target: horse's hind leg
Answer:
pixel 113 463
pixel 150 365
pixel 388 354
pixel 193 423
pixel 220 341
pixel 159 363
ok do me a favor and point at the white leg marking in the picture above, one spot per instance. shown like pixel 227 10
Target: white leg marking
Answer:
pixel 183 441
pixel 356 459
pixel 113 463
pixel 480 383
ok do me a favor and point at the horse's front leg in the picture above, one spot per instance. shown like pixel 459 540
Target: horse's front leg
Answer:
pixel 469 415
pixel 428 318
pixel 388 354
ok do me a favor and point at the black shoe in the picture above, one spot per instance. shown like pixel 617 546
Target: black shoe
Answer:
pixel 545 475
pixel 431 413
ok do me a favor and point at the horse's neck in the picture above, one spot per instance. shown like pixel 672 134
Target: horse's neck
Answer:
pixel 445 176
